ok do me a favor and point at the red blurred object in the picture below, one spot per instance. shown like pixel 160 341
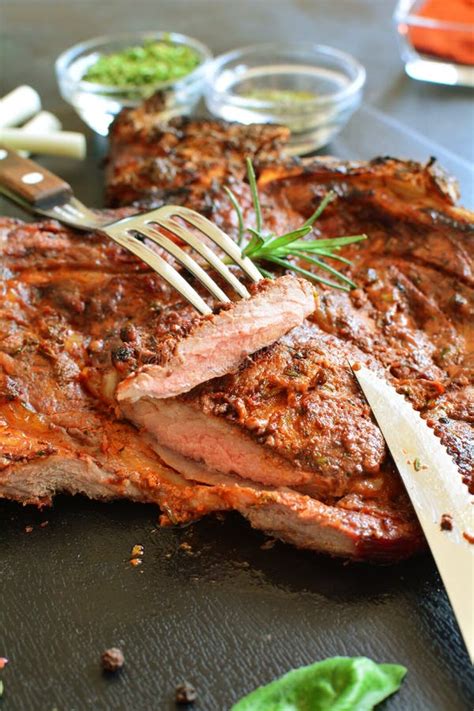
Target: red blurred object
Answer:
pixel 456 45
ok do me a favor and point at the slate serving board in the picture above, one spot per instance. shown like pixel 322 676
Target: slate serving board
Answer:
pixel 226 615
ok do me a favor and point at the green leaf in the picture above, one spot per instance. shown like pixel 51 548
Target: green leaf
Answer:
pixel 265 273
pixel 254 191
pixel 334 242
pixel 255 243
pixel 1 688
pixel 331 270
pixel 330 254
pixel 240 217
pixel 335 684
pixel 278 242
pixel 306 273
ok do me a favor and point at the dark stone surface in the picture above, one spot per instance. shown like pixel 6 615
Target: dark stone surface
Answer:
pixel 225 615
pixel 230 616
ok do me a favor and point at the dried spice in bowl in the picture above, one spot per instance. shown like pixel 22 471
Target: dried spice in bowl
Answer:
pixel 152 62
pixel 455 44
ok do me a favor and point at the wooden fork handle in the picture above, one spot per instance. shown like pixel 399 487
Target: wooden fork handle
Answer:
pixel 29 181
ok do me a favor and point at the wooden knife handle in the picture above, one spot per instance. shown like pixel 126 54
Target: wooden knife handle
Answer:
pixel 24 179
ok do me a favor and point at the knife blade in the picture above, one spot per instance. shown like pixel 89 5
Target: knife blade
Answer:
pixel 435 487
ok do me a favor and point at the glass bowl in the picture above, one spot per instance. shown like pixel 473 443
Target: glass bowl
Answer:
pixel 433 49
pixel 97 104
pixel 311 88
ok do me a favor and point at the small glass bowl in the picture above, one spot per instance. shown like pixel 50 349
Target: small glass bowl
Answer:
pixel 428 45
pixel 97 104
pixel 311 88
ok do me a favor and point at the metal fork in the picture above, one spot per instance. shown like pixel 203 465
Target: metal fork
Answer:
pixel 40 191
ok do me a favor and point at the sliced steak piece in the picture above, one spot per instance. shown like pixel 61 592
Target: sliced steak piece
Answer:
pixel 217 344
pixel 352 528
pixel 292 416
pixel 88 452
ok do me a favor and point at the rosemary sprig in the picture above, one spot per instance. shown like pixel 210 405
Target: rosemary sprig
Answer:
pixel 268 248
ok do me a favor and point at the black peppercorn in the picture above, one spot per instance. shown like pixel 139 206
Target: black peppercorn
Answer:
pixel 122 354
pixel 185 693
pixel 128 333
pixel 446 523
pixel 112 659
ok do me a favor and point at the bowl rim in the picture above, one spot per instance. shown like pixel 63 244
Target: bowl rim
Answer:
pixel 355 85
pixel 70 55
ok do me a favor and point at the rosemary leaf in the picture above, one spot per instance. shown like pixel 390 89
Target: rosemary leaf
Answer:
pixel 278 242
pixel 306 273
pixel 322 265
pixel 329 197
pixel 331 242
pixel 255 197
pixel 238 211
pixel 255 243
pixel 265 273
pixel 329 254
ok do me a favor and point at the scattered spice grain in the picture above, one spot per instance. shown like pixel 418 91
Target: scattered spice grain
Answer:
pixel 185 693
pixel 112 660
pixel 137 550
pixel 446 523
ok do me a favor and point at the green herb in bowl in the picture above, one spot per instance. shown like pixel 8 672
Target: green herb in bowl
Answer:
pixel 154 62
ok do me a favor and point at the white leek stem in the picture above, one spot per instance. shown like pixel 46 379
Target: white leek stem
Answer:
pixel 55 143
pixel 44 121
pixel 19 105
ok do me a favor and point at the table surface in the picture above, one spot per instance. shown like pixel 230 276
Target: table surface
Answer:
pixel 34 32
pixel 230 615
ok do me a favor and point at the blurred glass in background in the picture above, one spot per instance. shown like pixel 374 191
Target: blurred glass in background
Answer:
pixel 436 39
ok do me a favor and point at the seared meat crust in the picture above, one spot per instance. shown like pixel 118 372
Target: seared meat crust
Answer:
pixel 185 161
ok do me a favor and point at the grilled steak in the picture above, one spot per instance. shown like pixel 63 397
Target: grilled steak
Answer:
pixel 184 161
pixel 287 438
pixel 217 344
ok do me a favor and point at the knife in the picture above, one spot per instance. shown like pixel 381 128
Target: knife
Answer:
pixel 435 487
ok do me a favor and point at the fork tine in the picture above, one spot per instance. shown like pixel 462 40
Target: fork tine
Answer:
pixel 61 213
pixel 160 266
pixel 74 213
pixel 186 236
pixel 68 209
pixel 210 256
pixel 186 260
pixel 216 235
